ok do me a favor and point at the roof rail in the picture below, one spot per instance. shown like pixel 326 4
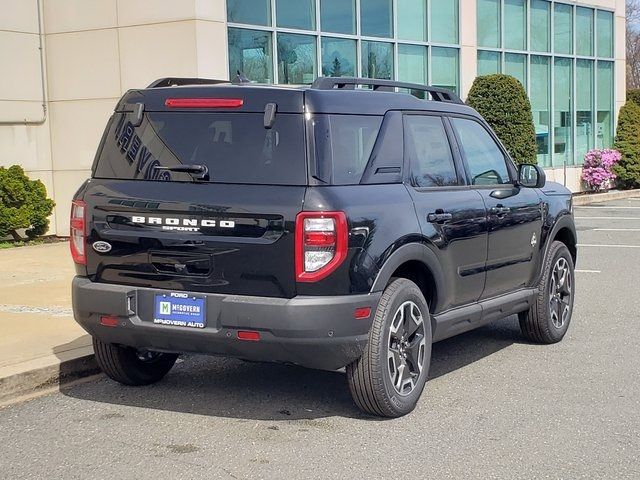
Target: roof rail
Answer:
pixel 436 93
pixel 175 81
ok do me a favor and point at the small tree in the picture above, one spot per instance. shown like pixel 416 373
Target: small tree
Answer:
pixel 23 204
pixel 503 102
pixel 628 144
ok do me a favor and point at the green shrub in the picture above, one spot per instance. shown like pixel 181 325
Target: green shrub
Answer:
pixel 504 104
pixel 23 204
pixel 628 144
pixel 633 95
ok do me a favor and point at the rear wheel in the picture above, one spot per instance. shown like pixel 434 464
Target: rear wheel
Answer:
pixel 129 366
pixel 389 377
pixel 547 321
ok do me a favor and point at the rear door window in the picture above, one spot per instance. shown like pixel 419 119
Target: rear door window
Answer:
pixel 235 147
pixel 344 144
pixel 429 152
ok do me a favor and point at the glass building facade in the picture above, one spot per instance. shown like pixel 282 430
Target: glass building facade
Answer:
pixel 561 52
pixel 294 41
pixel 563 55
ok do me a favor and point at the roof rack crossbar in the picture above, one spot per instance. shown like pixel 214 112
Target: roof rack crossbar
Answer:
pixel 437 94
pixel 176 81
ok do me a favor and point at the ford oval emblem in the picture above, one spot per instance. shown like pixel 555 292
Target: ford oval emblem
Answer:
pixel 101 247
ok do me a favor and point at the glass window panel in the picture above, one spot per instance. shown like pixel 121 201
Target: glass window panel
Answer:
pixel 488 13
pixel 563 112
pixel 338 57
pixel 338 16
pixel 540 17
pixel 605 34
pixel 563 28
pixel 488 63
pixel 376 18
pixel 251 52
pixel 540 94
pixel 412 20
pixel 584 108
pixel 444 21
pixel 486 162
pixel 444 68
pixel 255 12
pixel 296 14
pixel 515 24
pixel 296 58
pixel 584 31
pixel 516 66
pixel 377 60
pixel 604 125
pixel 412 63
pixel 429 152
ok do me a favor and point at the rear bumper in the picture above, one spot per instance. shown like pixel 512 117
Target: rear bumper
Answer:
pixel 315 332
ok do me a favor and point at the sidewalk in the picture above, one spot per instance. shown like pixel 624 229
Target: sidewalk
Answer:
pixel 40 343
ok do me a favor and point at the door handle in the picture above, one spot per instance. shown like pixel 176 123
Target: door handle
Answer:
pixel 500 210
pixel 439 216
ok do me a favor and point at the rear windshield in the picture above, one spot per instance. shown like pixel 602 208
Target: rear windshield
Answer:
pixel 343 146
pixel 235 147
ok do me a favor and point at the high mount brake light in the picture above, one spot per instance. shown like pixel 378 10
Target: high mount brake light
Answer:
pixel 204 102
pixel 77 240
pixel 321 244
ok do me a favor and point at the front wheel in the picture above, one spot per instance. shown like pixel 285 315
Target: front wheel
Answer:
pixel 389 378
pixel 133 367
pixel 547 321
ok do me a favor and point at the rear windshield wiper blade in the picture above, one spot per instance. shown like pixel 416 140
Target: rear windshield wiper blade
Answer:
pixel 198 172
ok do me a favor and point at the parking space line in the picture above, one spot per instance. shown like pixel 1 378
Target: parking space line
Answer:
pixel 607 218
pixel 616 230
pixel 604 207
pixel 607 246
pixel 588 271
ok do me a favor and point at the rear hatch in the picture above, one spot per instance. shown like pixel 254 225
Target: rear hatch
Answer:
pixel 232 232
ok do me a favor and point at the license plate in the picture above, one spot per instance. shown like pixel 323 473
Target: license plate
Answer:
pixel 180 310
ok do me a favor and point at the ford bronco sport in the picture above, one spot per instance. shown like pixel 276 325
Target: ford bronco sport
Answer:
pixel 350 223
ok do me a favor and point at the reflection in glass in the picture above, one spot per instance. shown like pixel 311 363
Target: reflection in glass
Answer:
pixel 562 130
pixel 488 12
pixel 515 24
pixel 584 108
pixel 377 60
pixel 412 63
pixel 296 14
pixel 254 12
pixel 296 58
pixel 338 16
pixel 444 69
pixel 444 21
pixel 250 52
pixel 412 20
pixel 488 63
pixel 604 137
pixel 540 18
pixel 584 31
pixel 605 34
pixel 516 66
pixel 338 57
pixel 540 94
pixel 563 28
pixel 375 18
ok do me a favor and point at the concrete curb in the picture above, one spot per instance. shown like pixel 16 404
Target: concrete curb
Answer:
pixel 32 381
pixel 604 197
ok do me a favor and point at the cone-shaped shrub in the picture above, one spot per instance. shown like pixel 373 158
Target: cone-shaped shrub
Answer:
pixel 628 144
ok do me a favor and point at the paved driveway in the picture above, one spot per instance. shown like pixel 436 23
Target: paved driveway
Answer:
pixel 496 406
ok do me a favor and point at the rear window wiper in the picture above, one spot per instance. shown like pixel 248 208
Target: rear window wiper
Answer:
pixel 198 172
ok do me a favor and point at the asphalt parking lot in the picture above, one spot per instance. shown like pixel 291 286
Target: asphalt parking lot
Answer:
pixel 495 407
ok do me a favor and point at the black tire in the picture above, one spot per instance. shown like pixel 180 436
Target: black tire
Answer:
pixel 543 322
pixel 125 365
pixel 370 377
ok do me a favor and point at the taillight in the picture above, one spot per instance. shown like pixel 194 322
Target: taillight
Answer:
pixel 78 232
pixel 321 244
pixel 204 102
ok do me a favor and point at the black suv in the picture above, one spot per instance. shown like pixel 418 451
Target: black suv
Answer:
pixel 350 223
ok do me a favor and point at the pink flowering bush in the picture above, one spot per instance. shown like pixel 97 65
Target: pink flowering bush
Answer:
pixel 597 171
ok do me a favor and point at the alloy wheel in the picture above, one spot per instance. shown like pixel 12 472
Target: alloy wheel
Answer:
pixel 560 293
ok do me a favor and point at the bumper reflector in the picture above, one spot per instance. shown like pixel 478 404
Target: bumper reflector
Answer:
pixel 362 313
pixel 109 321
pixel 249 336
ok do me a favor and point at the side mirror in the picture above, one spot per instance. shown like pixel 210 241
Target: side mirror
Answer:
pixel 531 176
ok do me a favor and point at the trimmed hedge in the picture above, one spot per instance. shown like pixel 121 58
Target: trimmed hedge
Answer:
pixel 503 102
pixel 23 204
pixel 633 95
pixel 628 144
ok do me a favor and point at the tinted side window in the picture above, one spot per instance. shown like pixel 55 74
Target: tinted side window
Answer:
pixel 486 162
pixel 429 152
